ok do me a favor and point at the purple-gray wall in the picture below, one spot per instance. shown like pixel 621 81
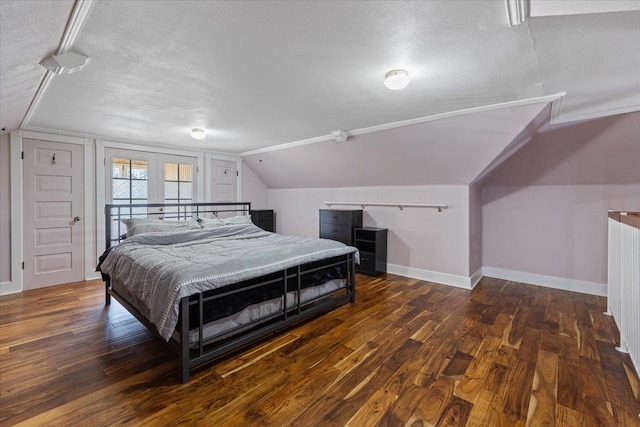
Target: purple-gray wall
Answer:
pixel 5 210
pixel 253 189
pixel 419 238
pixel 545 209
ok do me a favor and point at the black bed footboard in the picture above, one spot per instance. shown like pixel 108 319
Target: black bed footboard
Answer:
pixel 291 281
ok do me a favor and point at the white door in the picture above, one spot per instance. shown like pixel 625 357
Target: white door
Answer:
pixel 53 223
pixel 224 181
pixel 139 177
pixel 179 178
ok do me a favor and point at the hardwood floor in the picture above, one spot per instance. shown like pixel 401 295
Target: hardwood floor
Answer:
pixel 407 353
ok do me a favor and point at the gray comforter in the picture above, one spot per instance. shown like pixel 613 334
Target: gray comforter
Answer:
pixel 161 268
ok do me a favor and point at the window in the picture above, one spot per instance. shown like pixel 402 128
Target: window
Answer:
pixel 129 186
pixel 141 177
pixel 129 181
pixel 178 188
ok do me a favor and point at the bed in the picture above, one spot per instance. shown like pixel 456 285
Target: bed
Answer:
pixel 206 281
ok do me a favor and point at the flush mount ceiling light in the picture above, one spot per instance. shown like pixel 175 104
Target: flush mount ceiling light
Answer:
pixel 197 133
pixel 396 79
pixel 66 63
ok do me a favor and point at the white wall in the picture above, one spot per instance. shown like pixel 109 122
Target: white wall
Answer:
pixel 421 240
pixel 5 210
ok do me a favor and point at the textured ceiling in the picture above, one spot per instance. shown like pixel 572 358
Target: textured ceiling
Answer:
pixel 29 32
pixel 258 74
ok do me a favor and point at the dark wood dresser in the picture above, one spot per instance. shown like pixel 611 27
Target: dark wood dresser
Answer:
pixel 372 244
pixel 265 219
pixel 339 224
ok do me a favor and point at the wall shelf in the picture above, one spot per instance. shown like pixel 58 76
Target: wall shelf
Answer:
pixel 401 206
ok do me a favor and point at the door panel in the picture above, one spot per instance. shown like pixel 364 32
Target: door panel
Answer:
pixel 53 210
pixel 53 262
pixel 53 236
pixel 53 187
pixel 224 183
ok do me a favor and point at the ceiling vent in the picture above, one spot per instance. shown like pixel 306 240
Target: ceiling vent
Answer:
pixel 66 63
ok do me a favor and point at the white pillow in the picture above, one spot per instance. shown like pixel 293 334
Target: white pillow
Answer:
pixel 148 225
pixel 219 222
pixel 240 219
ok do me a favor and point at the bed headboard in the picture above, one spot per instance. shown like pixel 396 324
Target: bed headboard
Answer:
pixel 114 213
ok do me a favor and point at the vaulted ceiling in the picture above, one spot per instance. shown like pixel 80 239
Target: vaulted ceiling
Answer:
pixel 259 74
pixel 450 151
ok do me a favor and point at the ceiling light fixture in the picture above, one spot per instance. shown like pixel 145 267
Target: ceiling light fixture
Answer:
pixel 198 133
pixel 396 79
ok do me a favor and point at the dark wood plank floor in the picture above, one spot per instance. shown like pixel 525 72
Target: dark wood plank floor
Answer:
pixel 408 353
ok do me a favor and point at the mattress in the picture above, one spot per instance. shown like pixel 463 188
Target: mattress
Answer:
pixel 248 317
pixel 255 314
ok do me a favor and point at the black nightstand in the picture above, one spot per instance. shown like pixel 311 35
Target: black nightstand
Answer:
pixel 264 219
pixel 372 244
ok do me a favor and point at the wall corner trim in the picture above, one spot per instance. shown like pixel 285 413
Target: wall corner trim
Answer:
pixel 430 276
pixel 476 277
pixel 554 282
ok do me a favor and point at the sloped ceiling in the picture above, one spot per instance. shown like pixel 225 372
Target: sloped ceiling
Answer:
pixel 448 151
pixel 598 151
pixel 258 74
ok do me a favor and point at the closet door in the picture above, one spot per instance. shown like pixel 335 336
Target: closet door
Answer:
pixel 53 226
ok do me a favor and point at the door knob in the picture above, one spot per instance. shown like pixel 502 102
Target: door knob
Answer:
pixel 76 219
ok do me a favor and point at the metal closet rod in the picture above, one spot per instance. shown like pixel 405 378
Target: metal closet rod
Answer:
pixel 401 206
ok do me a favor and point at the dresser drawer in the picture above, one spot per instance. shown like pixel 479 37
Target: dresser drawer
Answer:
pixel 337 217
pixel 341 233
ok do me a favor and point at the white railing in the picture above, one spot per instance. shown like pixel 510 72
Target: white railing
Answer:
pixel 623 290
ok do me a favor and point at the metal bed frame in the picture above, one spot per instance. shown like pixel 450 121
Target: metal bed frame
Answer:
pixel 209 349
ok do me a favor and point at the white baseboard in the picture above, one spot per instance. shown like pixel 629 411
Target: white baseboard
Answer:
pixel 476 277
pixel 562 283
pixel 93 275
pixel 430 276
pixel 7 288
